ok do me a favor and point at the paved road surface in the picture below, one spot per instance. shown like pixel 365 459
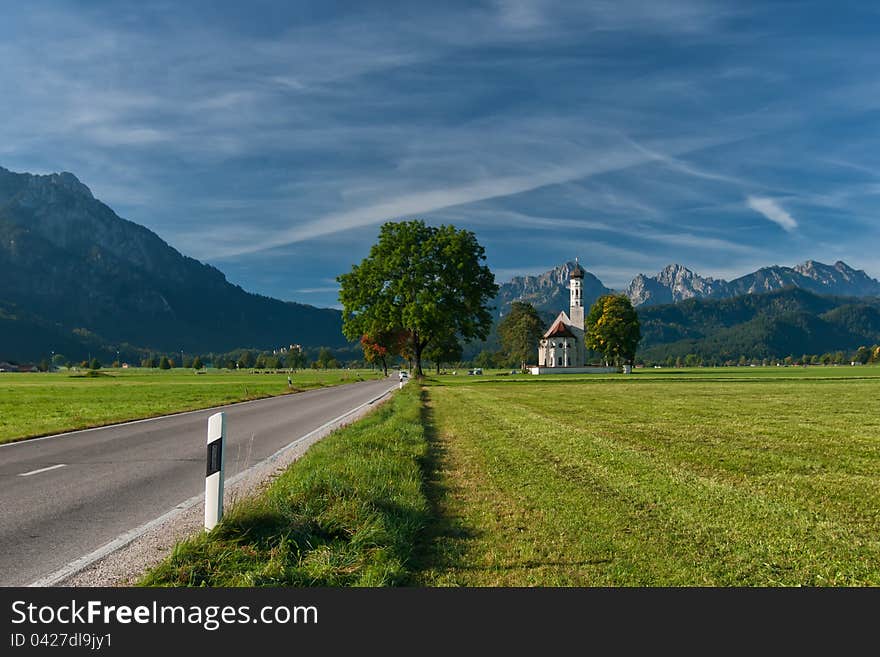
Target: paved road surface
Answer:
pixel 64 497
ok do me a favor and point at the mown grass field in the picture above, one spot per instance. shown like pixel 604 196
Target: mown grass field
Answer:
pixel 36 404
pixel 740 477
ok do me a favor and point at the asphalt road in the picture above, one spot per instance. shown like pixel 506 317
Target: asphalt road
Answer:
pixel 65 496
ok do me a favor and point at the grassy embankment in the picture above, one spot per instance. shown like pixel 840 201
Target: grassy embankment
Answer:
pixel 348 513
pixel 701 477
pixel 45 403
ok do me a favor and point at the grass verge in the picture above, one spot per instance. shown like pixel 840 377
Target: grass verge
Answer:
pixel 347 514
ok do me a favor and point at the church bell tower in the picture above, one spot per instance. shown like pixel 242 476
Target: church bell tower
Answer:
pixel 576 305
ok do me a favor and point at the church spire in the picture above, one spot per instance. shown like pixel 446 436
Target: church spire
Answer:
pixel 576 303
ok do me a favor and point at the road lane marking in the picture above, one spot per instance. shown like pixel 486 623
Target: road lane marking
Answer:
pixel 130 536
pixel 33 472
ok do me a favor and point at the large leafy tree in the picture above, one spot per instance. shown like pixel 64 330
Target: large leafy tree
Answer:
pixel 613 329
pixel 426 280
pixel 520 331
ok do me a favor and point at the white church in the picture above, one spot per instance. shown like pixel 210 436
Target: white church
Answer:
pixel 562 349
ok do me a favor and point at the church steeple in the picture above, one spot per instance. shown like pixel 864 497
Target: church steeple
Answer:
pixel 576 303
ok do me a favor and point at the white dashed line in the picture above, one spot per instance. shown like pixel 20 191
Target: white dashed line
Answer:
pixel 51 467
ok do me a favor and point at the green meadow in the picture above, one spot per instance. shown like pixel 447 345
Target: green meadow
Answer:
pixel 705 477
pixel 36 404
pixel 724 477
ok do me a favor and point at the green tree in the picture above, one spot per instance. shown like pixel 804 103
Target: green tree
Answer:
pixel 863 355
pixel 164 363
pixel 246 360
pixel 520 331
pixel 197 363
pixel 296 359
pixel 444 349
pixel 485 359
pixel 425 280
pixel 325 358
pixel 44 365
pixel 613 329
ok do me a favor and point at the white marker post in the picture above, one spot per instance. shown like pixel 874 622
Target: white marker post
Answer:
pixel 214 472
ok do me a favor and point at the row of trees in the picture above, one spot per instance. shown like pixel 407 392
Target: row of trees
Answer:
pixel 321 358
pixel 863 356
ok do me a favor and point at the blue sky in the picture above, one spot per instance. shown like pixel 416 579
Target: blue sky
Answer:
pixel 272 138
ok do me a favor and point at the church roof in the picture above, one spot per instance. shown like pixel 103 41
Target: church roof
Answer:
pixel 578 271
pixel 559 330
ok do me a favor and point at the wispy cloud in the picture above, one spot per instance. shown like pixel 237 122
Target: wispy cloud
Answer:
pixel 772 211
pixel 317 290
pixel 629 131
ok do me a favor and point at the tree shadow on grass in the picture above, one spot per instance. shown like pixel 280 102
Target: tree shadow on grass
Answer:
pixel 442 543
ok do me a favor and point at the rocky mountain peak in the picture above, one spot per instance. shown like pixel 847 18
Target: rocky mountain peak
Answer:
pixel 674 273
pixel 549 291
pixel 70 182
pixel 672 284
pixel 838 278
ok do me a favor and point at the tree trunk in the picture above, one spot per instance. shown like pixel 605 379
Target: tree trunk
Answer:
pixel 438 367
pixel 384 366
pixel 418 345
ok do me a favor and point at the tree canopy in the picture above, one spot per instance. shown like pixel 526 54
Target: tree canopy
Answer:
pixel 613 329
pixel 381 345
pixel 426 280
pixel 520 331
pixel 444 349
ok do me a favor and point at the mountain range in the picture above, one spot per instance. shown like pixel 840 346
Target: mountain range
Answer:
pixel 812 308
pixel 76 277
pixel 548 292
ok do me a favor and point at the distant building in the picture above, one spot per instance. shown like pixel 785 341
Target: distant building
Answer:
pixel 563 343
pixel 562 349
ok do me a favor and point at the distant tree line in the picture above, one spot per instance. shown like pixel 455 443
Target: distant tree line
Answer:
pixel 863 356
pixel 236 359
